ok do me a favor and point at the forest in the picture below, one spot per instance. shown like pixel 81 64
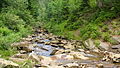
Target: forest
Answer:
pixel 72 19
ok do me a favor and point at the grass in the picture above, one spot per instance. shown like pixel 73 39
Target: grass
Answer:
pixel 7 53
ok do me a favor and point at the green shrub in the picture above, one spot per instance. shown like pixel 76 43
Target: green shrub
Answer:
pixel 4 31
pixel 106 36
pixel 90 31
pixel 93 3
pixel 11 21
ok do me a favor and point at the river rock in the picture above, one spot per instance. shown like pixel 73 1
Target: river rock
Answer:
pixel 116 58
pixel 104 46
pixel 8 64
pixel 112 56
pixel 27 39
pixel 69 46
pixel 22 51
pixel 100 65
pixel 54 52
pixel 81 50
pixel 23 56
pixel 60 51
pixel 55 42
pixel 64 56
pixel 34 57
pixel 117 38
pixel 109 66
pixel 47 43
pixel 28 48
pixel 55 66
pixel 72 65
pixel 78 55
pixel 48 60
pixel 18 60
pixel 21 44
pixel 64 41
pixel 89 44
pixel 116 47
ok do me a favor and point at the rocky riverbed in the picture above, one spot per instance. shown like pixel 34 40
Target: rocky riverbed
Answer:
pixel 46 50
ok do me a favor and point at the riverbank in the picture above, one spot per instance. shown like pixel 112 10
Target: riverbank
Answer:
pixel 43 49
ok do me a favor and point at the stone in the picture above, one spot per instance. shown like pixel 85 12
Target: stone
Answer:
pixel 28 48
pixel 69 46
pixel 39 41
pixel 112 56
pixel 54 42
pixel 100 65
pixel 117 38
pixel 40 66
pixel 64 41
pixel 116 58
pixel 77 55
pixel 55 66
pixel 60 51
pixel 21 44
pixel 96 50
pixel 22 51
pixel 54 52
pixel 109 66
pixel 23 56
pixel 27 39
pixel 47 43
pixel 62 57
pixel 48 60
pixel 104 46
pixel 72 65
pixel 81 50
pixel 7 64
pixel 89 44
pixel 116 47
pixel 34 57
pixel 18 60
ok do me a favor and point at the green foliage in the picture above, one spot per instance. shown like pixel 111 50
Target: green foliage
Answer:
pixel 6 53
pixel 4 31
pixel 106 36
pixel 103 16
pixel 11 21
pixel 86 15
pixel 90 31
pixel 73 26
pixel 16 21
pixel 18 4
pixel 97 43
pixel 93 3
